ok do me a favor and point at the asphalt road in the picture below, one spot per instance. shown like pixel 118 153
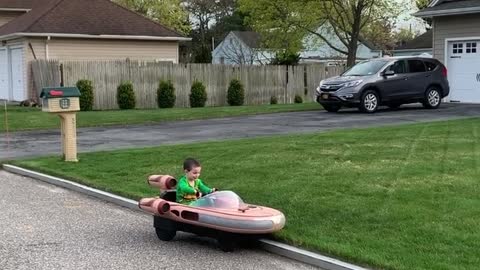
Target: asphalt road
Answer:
pixel 46 227
pixel 25 144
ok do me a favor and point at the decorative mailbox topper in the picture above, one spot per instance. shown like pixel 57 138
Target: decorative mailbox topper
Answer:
pixel 60 99
pixel 64 101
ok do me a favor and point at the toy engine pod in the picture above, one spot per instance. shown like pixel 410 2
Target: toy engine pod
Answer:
pixel 154 206
pixel 161 207
pixel 163 182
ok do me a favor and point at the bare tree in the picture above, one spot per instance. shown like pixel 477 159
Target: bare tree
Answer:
pixel 204 13
pixel 239 54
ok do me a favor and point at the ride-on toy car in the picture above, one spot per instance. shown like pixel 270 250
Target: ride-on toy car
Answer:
pixel 221 215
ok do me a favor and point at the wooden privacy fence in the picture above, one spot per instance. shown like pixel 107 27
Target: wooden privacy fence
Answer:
pixel 260 82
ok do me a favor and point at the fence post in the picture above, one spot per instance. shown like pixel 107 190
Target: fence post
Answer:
pixel 61 76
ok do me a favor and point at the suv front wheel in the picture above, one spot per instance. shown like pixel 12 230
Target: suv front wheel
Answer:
pixel 369 102
pixel 432 99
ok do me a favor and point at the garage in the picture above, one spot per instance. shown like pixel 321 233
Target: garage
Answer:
pixel 12 82
pixel 16 71
pixel 464 70
pixel 3 74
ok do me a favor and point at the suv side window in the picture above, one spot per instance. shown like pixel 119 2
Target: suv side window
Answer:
pixel 415 66
pixel 398 67
pixel 430 65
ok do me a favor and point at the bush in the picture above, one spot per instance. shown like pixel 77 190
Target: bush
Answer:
pixel 126 96
pixel 198 95
pixel 235 93
pixel 285 58
pixel 166 94
pixel 273 100
pixel 86 95
pixel 298 99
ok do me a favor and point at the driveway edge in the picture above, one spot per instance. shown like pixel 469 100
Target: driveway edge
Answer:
pixel 278 248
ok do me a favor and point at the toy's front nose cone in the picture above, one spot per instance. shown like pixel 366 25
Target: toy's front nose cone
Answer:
pixel 279 221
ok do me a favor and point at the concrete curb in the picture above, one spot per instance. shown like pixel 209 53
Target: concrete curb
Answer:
pixel 291 252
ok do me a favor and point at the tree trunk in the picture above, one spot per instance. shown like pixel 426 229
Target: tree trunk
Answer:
pixel 353 43
pixel 352 52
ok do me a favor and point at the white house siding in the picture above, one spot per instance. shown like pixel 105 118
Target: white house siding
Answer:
pixel 319 49
pixel 102 49
pixel 453 27
pixel 233 51
pixel 412 52
pixel 6 16
pixel 38 47
pixel 91 49
pixel 315 50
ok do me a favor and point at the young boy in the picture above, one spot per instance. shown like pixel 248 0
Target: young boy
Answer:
pixel 190 187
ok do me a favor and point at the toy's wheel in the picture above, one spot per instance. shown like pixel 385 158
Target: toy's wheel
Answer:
pixel 165 235
pixel 226 243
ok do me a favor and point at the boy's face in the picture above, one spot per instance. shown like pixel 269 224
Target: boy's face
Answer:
pixel 194 173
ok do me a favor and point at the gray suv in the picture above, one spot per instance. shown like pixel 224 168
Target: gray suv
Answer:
pixel 386 81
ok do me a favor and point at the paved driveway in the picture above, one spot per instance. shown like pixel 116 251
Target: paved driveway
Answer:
pixel 24 144
pixel 47 227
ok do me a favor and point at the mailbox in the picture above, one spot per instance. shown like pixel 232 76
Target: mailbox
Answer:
pixel 64 101
pixel 60 99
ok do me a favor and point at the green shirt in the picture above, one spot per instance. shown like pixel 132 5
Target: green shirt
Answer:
pixel 186 193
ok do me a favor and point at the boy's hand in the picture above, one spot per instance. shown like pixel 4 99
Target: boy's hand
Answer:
pixel 214 190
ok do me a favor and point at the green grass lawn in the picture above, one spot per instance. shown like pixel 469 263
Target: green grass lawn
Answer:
pixel 22 118
pixel 403 197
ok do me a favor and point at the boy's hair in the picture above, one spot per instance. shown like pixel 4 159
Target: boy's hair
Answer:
pixel 190 163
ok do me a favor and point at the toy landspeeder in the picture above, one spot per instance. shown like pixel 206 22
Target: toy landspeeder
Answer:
pixel 221 215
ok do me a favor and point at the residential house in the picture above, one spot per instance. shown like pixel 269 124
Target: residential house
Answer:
pixel 73 30
pixel 419 46
pixel 244 47
pixel 241 48
pixel 456 42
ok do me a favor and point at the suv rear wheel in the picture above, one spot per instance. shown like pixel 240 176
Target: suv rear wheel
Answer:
pixel 432 98
pixel 331 108
pixel 369 102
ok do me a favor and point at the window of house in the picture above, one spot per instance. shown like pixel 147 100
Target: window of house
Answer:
pixel 471 47
pixel 457 48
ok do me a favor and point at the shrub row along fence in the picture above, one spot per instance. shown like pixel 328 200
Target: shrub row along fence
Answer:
pixel 261 82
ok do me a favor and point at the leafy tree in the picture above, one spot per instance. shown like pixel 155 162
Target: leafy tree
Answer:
pixel 204 14
pixel 167 12
pixel 421 4
pixel 405 35
pixel 284 58
pixel 276 22
pixel 202 54
pixel 381 33
pixel 285 23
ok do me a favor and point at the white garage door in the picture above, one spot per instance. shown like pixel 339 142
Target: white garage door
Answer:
pixel 18 88
pixel 464 71
pixel 3 74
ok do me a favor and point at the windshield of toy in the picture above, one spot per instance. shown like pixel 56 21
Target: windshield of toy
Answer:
pixel 220 199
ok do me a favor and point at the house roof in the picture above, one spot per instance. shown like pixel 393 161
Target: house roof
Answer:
pixel 17 4
pixel 369 44
pixel 450 7
pixel 250 38
pixel 83 18
pixel 424 41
